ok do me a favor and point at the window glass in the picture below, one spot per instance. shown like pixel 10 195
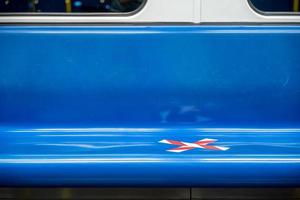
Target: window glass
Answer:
pixel 69 6
pixel 291 6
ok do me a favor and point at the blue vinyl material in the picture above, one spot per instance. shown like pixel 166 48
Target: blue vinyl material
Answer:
pixel 87 106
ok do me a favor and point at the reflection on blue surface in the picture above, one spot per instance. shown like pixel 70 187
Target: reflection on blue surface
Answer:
pixel 237 84
pixel 125 157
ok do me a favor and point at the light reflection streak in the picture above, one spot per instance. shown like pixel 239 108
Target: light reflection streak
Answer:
pixel 155 130
pixel 248 130
pixel 150 160
pixel 91 135
pixel 90 146
pixel 92 130
pixel 158 155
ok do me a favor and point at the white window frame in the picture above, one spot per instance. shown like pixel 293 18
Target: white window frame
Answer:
pixel 153 11
pixel 239 11
pixel 169 11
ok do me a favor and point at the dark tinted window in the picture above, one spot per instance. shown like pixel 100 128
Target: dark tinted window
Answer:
pixel 69 6
pixel 276 5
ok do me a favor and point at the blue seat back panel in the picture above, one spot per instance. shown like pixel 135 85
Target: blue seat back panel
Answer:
pixel 158 75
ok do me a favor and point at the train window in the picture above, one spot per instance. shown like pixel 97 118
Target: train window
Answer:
pixel 276 6
pixel 70 6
